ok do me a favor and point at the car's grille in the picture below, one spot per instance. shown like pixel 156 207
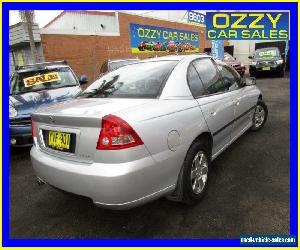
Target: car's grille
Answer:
pixel 266 63
pixel 21 121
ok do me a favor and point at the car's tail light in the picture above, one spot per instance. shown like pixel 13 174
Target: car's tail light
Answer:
pixel 33 132
pixel 117 134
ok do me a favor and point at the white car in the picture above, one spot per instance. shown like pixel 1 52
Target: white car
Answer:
pixel 145 130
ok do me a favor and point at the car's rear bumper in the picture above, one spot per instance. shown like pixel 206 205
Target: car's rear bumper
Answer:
pixel 116 186
pixel 20 136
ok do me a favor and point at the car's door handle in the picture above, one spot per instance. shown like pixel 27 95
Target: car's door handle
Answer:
pixel 213 113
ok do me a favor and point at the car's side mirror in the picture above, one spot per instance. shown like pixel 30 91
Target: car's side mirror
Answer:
pixel 247 81
pixel 83 79
pixel 250 81
pixel 250 57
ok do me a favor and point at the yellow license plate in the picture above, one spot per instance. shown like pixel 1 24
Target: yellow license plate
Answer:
pixel 266 68
pixel 59 140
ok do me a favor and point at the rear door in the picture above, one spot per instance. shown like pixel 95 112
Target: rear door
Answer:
pixel 214 100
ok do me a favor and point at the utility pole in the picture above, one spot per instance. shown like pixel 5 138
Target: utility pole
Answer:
pixel 27 16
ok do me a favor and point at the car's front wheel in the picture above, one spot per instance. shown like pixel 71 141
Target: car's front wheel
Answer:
pixel 260 115
pixel 281 73
pixel 195 172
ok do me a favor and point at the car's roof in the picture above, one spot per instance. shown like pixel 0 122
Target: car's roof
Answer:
pixel 176 57
pixel 40 67
pixel 266 48
pixel 124 60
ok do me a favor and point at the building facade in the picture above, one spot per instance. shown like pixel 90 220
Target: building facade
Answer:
pixel 19 47
pixel 87 38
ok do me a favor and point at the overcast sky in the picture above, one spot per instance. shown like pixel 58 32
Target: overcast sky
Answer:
pixel 42 17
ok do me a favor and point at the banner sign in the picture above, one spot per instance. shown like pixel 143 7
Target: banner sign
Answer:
pixel 145 39
pixel 247 25
pixel 217 49
pixel 195 17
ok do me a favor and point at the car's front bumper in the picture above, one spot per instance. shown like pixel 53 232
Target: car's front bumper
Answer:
pixel 116 186
pixel 256 69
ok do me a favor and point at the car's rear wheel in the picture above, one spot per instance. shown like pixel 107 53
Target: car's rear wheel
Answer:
pixel 195 172
pixel 260 116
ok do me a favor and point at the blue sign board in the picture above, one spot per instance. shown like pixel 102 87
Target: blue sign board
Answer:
pixel 217 49
pixel 247 25
pixel 146 38
pixel 195 17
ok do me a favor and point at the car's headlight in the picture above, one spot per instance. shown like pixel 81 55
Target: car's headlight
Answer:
pixel 12 112
pixel 279 61
pixel 252 63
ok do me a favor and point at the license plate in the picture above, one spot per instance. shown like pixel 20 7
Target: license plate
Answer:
pixel 266 68
pixel 59 140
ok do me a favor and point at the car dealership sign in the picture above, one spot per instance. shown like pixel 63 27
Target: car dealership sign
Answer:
pixel 247 25
pixel 146 38
pixel 195 17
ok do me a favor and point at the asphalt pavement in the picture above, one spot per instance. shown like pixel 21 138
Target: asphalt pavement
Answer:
pixel 248 193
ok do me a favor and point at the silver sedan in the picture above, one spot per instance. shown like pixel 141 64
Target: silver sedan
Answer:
pixel 145 130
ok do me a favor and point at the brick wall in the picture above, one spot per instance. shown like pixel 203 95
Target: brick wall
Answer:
pixel 85 54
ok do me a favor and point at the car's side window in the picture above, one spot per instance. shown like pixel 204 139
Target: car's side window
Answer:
pixel 229 76
pixel 210 76
pixel 194 82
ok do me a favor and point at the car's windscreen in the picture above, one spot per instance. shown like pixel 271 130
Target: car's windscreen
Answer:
pixel 139 80
pixel 116 65
pixel 228 58
pixel 265 53
pixel 41 79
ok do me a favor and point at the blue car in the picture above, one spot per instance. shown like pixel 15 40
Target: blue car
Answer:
pixel 34 86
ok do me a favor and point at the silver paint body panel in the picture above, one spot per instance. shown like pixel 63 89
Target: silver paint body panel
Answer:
pixel 167 125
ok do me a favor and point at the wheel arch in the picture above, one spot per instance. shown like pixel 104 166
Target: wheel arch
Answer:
pixel 177 194
pixel 206 136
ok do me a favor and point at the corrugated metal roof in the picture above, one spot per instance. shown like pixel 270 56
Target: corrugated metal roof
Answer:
pixel 83 23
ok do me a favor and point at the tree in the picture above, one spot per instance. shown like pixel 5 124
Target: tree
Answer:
pixel 27 17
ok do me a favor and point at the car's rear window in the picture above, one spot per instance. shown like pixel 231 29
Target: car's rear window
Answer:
pixel 116 65
pixel 139 80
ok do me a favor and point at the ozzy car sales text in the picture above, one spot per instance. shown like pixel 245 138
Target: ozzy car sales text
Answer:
pixel 247 26
pixel 166 34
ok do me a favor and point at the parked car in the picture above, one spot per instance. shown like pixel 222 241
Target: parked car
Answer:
pixel 111 65
pixel 132 136
pixel 33 86
pixel 146 45
pixel 164 46
pixel 172 46
pixel 238 66
pixel 267 60
pixel 157 46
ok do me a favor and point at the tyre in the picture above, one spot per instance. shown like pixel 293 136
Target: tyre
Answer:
pixel 260 116
pixel 194 176
pixel 281 73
